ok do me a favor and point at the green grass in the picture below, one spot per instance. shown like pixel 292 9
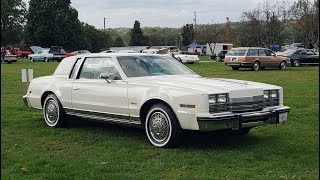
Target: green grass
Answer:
pixel 86 150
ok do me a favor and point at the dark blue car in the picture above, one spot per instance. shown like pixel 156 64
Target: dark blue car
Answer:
pixel 300 56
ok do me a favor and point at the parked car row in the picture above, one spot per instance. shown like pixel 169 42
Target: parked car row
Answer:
pixel 52 53
pixel 260 58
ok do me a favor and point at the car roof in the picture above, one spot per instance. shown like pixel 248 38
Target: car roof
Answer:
pixel 250 48
pixel 120 54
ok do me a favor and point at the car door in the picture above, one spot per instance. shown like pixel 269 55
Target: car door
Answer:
pixel 273 60
pixel 310 57
pixel 264 59
pixel 95 96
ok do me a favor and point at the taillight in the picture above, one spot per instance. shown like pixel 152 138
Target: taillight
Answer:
pixel 244 60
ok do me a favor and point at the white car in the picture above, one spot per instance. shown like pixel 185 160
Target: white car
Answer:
pixel 155 92
pixel 40 54
pixel 109 51
pixel 176 53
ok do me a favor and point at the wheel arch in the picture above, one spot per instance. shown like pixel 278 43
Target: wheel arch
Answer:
pixel 149 103
pixel 45 94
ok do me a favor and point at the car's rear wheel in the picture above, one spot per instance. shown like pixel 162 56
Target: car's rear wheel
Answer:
pixel 46 59
pixel 53 112
pixel 296 63
pixel 31 59
pixel 235 68
pixel 282 65
pixel 255 66
pixel 162 126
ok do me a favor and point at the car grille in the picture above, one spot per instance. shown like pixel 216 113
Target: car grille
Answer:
pixel 246 104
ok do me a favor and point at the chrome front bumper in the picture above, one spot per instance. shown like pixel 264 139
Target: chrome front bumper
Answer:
pixel 235 121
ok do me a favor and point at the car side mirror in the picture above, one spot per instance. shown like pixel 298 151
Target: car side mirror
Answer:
pixel 106 76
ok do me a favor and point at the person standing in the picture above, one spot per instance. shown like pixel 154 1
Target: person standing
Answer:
pixel 3 54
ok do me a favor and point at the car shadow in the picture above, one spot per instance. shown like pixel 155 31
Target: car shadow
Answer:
pixel 190 139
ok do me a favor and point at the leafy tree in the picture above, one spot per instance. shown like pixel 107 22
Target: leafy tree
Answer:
pixel 12 21
pixel 188 34
pixel 53 22
pixel 96 40
pixel 305 20
pixel 137 37
pixel 118 42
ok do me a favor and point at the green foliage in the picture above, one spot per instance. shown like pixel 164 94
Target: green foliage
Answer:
pixel 118 42
pixel 52 23
pixel 137 37
pixel 96 40
pixel 162 36
pixel 188 34
pixel 12 21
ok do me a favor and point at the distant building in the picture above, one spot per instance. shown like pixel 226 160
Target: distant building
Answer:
pixel 215 48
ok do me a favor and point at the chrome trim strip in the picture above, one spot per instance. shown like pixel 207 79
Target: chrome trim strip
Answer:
pixel 113 118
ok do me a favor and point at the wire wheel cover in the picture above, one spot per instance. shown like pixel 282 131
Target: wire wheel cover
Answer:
pixel 159 126
pixel 52 111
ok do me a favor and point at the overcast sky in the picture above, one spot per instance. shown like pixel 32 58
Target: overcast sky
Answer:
pixel 162 13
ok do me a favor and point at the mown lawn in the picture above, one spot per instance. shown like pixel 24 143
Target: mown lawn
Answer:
pixel 86 150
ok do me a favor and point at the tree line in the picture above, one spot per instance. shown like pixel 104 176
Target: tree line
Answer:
pixel 55 22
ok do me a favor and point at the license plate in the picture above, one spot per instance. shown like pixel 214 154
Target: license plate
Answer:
pixel 234 59
pixel 283 117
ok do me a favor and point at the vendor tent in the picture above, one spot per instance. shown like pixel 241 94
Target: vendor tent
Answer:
pixel 194 45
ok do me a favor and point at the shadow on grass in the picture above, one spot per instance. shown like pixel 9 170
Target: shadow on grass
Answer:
pixel 191 139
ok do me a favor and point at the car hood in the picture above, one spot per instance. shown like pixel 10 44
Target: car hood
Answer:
pixel 35 49
pixel 235 88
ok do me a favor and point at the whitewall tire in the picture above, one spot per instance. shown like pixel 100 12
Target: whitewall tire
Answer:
pixel 162 127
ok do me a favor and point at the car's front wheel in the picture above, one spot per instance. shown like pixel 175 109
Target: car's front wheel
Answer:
pixel 282 65
pixel 31 59
pixel 162 126
pixel 46 59
pixel 53 112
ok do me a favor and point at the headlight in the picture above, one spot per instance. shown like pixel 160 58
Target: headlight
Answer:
pixel 218 98
pixel 218 103
pixel 222 98
pixel 212 99
pixel 271 98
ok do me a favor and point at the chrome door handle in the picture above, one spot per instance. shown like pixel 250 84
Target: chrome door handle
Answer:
pixel 75 88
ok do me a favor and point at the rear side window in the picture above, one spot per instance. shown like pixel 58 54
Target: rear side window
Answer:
pixel 297 52
pixel 93 67
pixel 75 67
pixel 253 52
pixel 236 52
pixel 262 52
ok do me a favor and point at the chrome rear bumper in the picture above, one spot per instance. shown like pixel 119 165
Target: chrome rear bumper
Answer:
pixel 25 101
pixel 237 121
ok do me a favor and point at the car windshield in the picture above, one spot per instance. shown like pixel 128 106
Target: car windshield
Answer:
pixel 236 52
pixel 138 66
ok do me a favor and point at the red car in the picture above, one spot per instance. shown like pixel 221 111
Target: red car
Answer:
pixel 77 52
pixel 19 52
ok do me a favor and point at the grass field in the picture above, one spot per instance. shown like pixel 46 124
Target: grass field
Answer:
pixel 86 150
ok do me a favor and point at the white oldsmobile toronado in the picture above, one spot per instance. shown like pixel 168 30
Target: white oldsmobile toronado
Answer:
pixel 155 92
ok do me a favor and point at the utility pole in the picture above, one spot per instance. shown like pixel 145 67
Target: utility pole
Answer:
pixel 104 23
pixel 195 24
